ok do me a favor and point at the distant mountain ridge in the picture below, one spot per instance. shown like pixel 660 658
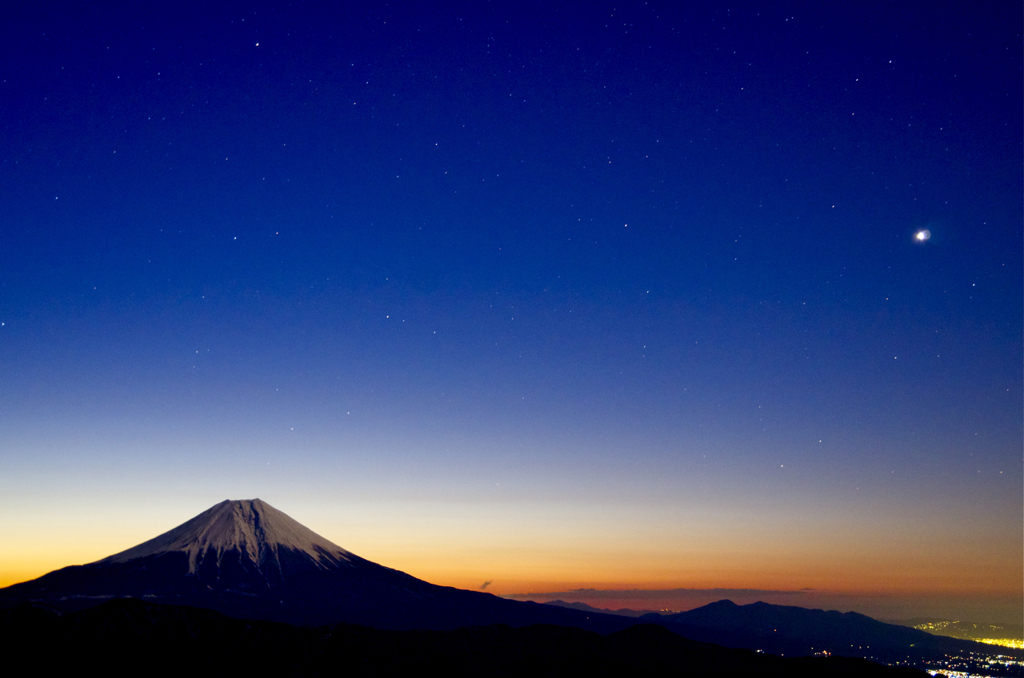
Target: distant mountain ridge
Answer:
pixel 622 612
pixel 786 630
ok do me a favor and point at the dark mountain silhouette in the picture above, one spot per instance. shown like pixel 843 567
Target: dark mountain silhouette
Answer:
pixel 246 559
pixel 131 635
pixel 790 631
pixel 623 612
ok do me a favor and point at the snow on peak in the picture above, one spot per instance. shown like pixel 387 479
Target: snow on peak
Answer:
pixel 251 526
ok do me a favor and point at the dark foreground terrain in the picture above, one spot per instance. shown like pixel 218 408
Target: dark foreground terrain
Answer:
pixel 128 635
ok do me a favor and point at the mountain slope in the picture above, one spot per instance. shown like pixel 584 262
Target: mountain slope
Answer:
pixel 247 559
pixel 253 528
pixel 787 630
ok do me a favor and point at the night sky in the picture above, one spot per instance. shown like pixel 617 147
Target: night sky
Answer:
pixel 547 295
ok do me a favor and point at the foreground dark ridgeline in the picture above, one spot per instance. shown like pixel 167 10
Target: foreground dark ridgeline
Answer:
pixel 123 635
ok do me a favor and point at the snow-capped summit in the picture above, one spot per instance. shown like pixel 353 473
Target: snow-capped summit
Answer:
pixel 250 528
pixel 241 557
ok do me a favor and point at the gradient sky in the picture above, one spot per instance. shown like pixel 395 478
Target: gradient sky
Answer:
pixel 549 295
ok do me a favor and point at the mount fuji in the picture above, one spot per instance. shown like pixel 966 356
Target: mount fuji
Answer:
pixel 246 559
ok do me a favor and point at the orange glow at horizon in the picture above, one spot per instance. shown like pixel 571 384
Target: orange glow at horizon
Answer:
pixel 534 550
pixel 519 561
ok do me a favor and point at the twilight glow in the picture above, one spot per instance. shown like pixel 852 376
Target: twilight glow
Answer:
pixel 625 298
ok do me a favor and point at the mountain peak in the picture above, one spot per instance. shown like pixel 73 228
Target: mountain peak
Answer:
pixel 253 529
pixel 246 559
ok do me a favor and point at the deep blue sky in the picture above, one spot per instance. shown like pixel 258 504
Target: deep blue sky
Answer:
pixel 506 256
